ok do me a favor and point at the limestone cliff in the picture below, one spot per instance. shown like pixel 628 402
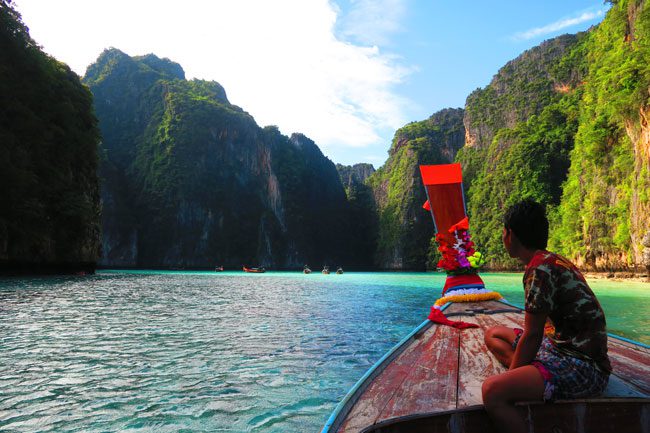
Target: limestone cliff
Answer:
pixel 604 213
pixel 363 216
pixel 190 180
pixel 520 89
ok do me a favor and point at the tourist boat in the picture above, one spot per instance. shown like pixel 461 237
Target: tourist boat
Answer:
pixel 339 271
pixel 254 270
pixel 218 269
pixel 326 270
pixel 306 270
pixel 431 381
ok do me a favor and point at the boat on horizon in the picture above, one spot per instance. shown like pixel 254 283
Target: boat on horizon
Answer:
pixel 260 270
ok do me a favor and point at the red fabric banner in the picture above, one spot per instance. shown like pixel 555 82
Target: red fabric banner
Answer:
pixel 462 280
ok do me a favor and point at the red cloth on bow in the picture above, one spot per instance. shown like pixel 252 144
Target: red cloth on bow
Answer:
pixel 436 316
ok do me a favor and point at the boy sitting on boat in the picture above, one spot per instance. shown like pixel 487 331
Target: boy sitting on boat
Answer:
pixel 571 361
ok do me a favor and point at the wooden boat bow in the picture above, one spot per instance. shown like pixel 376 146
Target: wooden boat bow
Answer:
pixel 431 382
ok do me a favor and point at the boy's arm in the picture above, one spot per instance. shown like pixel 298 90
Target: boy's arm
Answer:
pixel 530 340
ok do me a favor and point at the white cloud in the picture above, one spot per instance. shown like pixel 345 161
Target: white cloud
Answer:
pixel 279 60
pixel 558 25
pixel 372 22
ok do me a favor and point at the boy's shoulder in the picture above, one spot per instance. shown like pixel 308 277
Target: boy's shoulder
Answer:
pixel 548 261
pixel 559 269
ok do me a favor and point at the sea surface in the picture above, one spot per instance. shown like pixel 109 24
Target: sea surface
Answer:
pixel 217 352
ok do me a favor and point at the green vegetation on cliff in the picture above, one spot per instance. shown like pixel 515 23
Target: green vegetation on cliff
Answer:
pixel 529 160
pixel 49 215
pixel 189 179
pixel 605 211
pixel 522 88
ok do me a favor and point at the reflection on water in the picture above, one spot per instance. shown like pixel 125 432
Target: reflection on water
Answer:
pixel 226 352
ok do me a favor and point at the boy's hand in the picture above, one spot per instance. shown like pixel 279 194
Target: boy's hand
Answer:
pixel 530 340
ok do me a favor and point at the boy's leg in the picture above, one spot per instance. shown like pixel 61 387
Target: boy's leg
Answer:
pixel 499 340
pixel 500 392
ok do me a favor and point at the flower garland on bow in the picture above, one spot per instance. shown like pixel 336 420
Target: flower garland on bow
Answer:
pixel 460 257
pixel 461 262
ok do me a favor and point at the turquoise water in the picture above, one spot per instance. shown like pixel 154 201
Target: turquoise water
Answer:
pixel 221 352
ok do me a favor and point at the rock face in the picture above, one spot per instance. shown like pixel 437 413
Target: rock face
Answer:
pixel 363 213
pixel 519 90
pixel 604 212
pixel 190 180
pixel 356 174
pixel 404 228
pixel 49 207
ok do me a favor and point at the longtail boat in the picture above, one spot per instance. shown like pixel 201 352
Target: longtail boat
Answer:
pixel 431 380
pixel 254 270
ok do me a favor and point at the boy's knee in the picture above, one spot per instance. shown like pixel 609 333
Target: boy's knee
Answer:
pixel 487 388
pixel 491 391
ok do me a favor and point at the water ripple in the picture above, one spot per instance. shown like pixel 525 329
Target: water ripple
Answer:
pixel 181 352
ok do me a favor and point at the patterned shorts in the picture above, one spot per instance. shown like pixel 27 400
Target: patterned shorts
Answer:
pixel 565 377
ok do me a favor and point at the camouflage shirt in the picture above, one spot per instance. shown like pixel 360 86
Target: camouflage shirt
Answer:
pixel 554 286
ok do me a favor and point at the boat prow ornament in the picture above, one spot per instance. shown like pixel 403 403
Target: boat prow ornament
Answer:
pixel 460 260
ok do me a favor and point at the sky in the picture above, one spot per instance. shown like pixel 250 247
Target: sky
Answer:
pixel 346 73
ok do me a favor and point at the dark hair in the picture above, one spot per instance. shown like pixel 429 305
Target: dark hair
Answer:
pixel 527 219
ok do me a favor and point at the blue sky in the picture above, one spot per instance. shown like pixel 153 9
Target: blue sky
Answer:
pixel 346 73
pixel 458 49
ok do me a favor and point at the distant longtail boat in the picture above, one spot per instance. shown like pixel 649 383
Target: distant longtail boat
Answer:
pixel 254 270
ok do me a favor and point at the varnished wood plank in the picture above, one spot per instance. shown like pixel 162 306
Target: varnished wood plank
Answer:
pixel 509 320
pixel 476 363
pixel 639 353
pixel 630 345
pixel 369 406
pixel 431 383
pixel 631 365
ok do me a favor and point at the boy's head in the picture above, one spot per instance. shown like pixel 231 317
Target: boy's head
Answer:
pixel 527 220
